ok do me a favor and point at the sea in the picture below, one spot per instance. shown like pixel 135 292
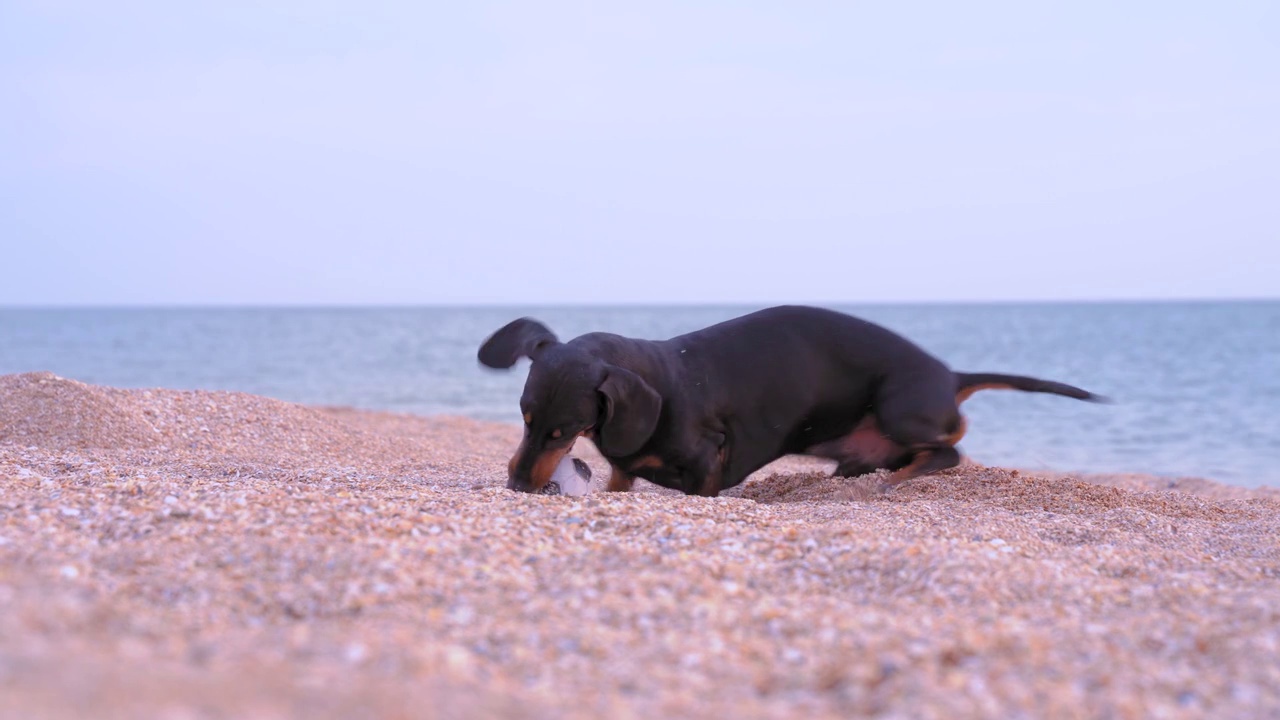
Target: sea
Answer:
pixel 1195 385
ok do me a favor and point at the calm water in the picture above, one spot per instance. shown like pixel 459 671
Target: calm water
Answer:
pixel 1197 384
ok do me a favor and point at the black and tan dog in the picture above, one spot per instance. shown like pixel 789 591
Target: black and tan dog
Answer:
pixel 702 411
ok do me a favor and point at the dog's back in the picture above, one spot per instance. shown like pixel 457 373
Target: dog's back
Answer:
pixel 789 377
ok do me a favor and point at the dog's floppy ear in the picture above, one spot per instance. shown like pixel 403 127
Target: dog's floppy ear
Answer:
pixel 519 338
pixel 630 415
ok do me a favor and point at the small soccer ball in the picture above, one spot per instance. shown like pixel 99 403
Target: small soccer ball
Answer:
pixel 572 477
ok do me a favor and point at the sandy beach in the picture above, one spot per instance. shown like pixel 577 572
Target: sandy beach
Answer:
pixel 169 554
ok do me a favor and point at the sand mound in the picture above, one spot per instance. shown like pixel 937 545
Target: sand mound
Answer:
pixel 813 486
pixel 1009 489
pixel 55 414
pixel 46 411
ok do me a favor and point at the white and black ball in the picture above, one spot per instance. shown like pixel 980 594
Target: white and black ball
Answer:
pixel 572 477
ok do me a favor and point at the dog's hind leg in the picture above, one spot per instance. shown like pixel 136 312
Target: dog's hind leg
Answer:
pixel 864 450
pixel 926 423
pixel 926 461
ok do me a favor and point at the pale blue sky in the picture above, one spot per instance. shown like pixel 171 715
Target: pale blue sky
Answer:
pixel 550 152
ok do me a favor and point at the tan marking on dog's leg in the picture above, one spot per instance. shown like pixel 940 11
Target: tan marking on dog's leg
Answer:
pixel 912 470
pixel 956 436
pixel 926 462
pixel 620 481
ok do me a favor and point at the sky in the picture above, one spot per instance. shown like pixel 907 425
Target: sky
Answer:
pixel 318 152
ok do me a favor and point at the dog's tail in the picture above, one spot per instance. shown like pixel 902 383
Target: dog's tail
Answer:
pixel 969 383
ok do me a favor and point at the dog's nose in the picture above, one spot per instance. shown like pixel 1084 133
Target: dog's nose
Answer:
pixel 520 484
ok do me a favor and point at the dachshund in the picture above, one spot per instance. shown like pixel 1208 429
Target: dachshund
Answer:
pixel 702 411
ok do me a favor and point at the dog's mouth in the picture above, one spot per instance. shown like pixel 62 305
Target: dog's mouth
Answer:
pixel 523 476
pixel 562 472
pixel 524 486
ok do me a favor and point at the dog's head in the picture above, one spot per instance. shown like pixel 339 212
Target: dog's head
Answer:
pixel 569 394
